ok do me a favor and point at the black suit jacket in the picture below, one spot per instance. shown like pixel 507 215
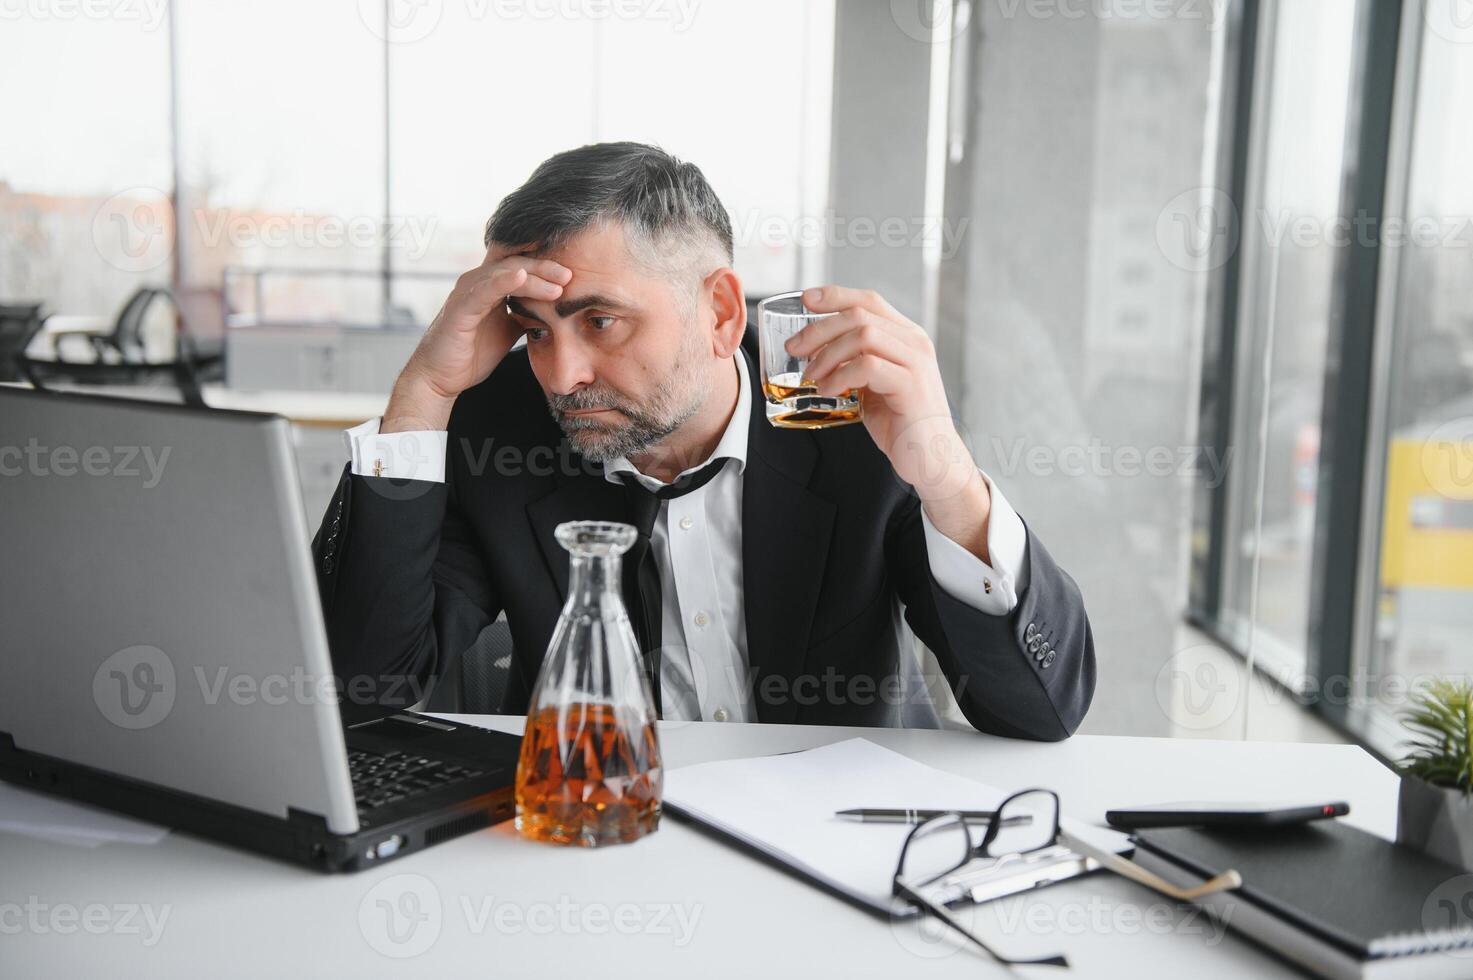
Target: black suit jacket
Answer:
pixel 410 572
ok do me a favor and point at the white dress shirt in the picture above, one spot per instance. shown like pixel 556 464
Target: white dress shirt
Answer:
pixel 697 544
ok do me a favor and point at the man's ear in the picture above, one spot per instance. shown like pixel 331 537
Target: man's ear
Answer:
pixel 729 304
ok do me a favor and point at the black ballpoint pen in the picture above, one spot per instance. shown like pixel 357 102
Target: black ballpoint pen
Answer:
pixel 880 815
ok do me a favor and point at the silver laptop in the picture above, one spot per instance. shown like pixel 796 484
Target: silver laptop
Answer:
pixel 164 649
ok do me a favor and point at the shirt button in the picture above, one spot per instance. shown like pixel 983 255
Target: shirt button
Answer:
pixel 719 714
pixel 686 523
pixel 701 619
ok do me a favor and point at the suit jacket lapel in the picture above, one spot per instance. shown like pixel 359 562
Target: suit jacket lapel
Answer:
pixel 785 543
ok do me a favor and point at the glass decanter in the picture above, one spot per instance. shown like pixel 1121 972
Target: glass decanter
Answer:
pixel 589 772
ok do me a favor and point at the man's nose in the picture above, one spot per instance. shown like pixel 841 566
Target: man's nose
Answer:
pixel 568 366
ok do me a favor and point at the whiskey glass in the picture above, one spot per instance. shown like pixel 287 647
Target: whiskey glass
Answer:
pixel 793 401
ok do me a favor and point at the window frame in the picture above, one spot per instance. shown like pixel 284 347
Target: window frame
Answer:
pixel 1345 543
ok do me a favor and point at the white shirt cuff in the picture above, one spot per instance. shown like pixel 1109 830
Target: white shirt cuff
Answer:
pixel 994 588
pixel 398 455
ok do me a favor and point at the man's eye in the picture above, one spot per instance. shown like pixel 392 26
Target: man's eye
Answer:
pixel 535 334
pixel 601 322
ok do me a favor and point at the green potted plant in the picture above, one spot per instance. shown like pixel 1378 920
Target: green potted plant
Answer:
pixel 1435 807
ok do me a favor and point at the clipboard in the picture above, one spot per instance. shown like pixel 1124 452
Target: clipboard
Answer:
pixel 779 809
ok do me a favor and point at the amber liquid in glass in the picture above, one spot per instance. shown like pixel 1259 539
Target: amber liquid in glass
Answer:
pixel 807 409
pixel 585 779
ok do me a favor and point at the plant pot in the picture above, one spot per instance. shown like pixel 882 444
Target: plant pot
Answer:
pixel 1436 821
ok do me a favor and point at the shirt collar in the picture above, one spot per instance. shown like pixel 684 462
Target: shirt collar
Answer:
pixel 733 443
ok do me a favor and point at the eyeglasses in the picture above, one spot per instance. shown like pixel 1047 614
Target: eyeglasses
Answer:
pixel 1025 828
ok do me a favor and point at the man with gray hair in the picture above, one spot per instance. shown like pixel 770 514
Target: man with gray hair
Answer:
pixel 777 569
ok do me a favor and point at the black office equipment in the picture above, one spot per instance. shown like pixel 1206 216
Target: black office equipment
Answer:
pixel 1333 899
pixel 165 652
pixel 19 324
pixel 1245 815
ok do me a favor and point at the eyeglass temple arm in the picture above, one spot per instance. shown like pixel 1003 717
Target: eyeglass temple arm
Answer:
pixel 1129 869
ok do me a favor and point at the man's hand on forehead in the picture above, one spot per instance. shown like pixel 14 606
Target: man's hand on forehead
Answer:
pixel 471 334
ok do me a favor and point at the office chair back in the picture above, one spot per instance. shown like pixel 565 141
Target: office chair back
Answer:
pixel 19 324
pixel 131 366
pixel 127 334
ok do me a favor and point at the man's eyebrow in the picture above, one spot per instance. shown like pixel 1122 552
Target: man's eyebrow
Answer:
pixel 567 307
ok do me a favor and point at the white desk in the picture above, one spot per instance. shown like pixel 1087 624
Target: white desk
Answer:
pixel 513 908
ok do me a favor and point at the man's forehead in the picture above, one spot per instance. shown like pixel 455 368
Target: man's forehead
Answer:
pixel 605 275
pixel 602 247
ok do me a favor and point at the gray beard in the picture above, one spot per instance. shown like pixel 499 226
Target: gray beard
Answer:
pixel 600 443
pixel 644 429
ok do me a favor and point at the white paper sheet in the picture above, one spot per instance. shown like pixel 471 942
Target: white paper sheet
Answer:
pixel 785 805
pixel 62 821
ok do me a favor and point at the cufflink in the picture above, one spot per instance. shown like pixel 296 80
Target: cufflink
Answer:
pixel 378 467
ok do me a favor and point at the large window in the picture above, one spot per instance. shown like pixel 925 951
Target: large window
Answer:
pixel 478 98
pixel 1069 325
pixel 85 171
pixel 1356 268
pixel 337 162
pixel 1422 606
pixel 475 103
pixel 1289 252
pixel 281 147
pixel 742 92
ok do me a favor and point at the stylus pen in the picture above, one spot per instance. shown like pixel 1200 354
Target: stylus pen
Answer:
pixel 881 815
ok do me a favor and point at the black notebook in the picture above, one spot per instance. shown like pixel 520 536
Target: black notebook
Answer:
pixel 1337 900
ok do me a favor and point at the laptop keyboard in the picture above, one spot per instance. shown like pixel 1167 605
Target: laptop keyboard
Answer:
pixel 381 778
